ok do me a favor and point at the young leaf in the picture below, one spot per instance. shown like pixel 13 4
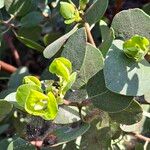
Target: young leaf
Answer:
pixel 23 92
pixel 96 11
pixel 136 47
pixel 31 80
pixel 123 75
pixel 39 104
pixel 127 23
pixel 61 67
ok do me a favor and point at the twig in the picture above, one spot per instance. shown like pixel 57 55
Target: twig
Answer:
pixel 7 67
pixel 89 35
pixel 8 39
pixel 118 6
pixel 141 137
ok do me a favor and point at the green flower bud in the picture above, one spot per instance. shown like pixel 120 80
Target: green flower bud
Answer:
pixel 136 47
pixel 83 4
pixel 69 12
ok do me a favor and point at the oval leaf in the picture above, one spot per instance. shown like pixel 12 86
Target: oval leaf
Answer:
pixel 130 115
pixel 54 47
pixel 104 99
pixel 96 11
pixel 127 23
pixel 123 75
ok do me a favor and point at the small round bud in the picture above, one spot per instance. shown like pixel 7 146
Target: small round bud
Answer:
pixel 136 47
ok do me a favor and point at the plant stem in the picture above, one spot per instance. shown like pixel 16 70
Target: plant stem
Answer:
pixel 141 137
pixel 7 67
pixel 89 35
pixel 8 39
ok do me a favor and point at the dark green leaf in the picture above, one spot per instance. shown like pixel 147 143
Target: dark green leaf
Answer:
pixel 96 11
pixel 16 78
pixel 54 47
pixel 123 75
pixel 68 133
pixel 5 109
pixel 20 144
pixel 32 33
pixel 18 7
pixel 127 23
pixel 103 98
pixel 130 115
pixel 3 128
pixel 32 19
pixel 31 44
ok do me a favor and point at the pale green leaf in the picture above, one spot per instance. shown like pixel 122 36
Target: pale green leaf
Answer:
pixel 129 22
pixel 123 75
pixel 54 47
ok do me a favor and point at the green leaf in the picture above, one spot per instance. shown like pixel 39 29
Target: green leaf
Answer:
pixel 17 77
pixel 140 127
pixel 18 7
pixel 76 95
pixel 69 83
pixel 5 109
pixel 96 11
pixel 147 96
pixel 68 133
pixel 54 47
pixel 123 75
pixel 23 92
pixel 20 144
pixel 31 80
pixel 75 49
pixel 104 99
pixel 146 8
pixel 1 4
pixel 3 128
pixel 127 23
pixel 62 67
pixel 32 33
pixel 11 98
pixel 107 37
pixel 31 44
pixel 32 19
pixel 130 115
pixel 67 115
pixel 39 104
pixel 136 47
pixel 93 62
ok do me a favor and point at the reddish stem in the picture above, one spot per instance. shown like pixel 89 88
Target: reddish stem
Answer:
pixel 9 41
pixel 7 67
